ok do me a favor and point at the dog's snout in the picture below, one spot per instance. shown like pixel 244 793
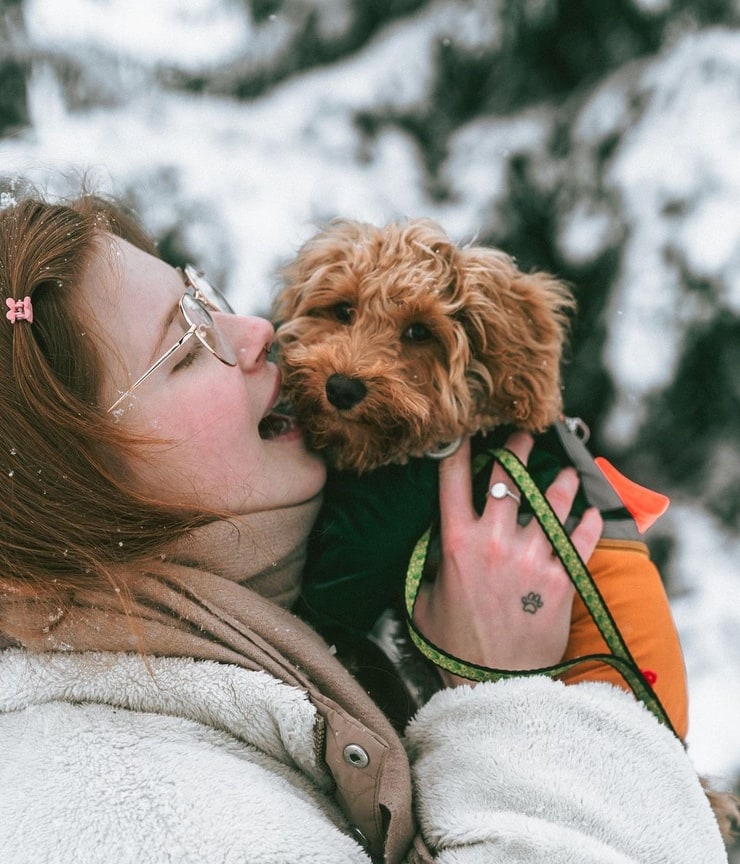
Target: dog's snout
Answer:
pixel 344 392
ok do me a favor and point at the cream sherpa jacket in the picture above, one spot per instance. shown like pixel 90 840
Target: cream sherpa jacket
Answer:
pixel 106 758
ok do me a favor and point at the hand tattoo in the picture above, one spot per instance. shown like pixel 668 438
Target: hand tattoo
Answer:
pixel 532 602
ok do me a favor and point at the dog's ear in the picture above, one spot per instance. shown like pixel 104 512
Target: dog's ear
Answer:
pixel 517 324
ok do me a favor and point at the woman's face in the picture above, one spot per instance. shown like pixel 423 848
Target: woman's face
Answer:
pixel 206 414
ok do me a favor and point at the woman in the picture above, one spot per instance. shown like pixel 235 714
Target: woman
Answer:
pixel 159 702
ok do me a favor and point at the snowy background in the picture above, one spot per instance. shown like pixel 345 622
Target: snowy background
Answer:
pixel 599 141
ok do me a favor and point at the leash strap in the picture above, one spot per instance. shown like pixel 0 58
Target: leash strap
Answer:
pixel 620 657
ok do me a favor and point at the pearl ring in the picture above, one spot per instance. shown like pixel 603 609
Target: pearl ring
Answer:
pixel 501 490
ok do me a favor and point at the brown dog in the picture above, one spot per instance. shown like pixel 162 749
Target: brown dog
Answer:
pixel 395 342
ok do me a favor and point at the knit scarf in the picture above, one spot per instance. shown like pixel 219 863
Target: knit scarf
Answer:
pixel 222 593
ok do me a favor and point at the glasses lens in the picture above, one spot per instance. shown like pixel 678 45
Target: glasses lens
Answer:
pixel 206 330
pixel 205 291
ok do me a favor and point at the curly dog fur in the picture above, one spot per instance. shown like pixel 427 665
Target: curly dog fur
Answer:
pixel 394 341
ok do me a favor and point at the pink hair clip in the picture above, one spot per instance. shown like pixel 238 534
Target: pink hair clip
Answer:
pixel 19 310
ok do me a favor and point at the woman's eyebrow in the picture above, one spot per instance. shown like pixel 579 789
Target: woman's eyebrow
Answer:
pixel 164 330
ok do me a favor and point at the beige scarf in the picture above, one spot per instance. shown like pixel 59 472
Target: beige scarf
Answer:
pixel 221 594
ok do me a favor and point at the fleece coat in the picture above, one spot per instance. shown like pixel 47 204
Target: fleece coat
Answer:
pixel 109 757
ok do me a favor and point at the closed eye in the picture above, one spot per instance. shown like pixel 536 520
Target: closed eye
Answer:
pixel 196 351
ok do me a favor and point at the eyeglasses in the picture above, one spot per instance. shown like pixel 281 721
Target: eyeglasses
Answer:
pixel 200 297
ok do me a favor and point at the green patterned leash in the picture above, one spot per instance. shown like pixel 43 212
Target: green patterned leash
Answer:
pixel 620 657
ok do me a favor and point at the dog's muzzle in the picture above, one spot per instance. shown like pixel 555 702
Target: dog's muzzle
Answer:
pixel 343 392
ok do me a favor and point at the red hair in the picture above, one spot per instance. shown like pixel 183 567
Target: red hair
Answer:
pixel 67 516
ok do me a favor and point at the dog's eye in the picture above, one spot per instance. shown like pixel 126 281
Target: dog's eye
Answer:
pixel 343 312
pixel 417 332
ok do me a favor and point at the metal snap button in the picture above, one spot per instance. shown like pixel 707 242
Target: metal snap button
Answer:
pixel 356 755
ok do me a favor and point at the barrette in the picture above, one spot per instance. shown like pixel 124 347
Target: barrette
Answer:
pixel 19 310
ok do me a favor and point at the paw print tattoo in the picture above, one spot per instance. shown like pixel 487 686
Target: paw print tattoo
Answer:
pixel 532 602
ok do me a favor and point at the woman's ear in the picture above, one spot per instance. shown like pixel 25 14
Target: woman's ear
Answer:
pixel 517 324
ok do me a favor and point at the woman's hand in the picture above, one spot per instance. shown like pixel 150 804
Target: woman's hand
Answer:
pixel 476 608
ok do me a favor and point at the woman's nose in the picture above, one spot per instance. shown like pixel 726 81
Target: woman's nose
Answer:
pixel 250 337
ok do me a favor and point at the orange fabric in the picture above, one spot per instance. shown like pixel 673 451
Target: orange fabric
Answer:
pixel 645 505
pixel 632 589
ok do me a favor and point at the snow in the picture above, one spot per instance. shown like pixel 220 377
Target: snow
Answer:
pixel 709 622
pixel 135 28
pixel 676 172
pixel 243 183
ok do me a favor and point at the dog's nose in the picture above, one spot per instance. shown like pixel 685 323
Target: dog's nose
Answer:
pixel 344 392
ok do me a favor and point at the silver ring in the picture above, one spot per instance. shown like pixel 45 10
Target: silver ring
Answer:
pixel 501 490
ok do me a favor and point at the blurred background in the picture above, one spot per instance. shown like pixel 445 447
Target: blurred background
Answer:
pixel 600 141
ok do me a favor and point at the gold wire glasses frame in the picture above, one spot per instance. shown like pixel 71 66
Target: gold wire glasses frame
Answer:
pixel 195 304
